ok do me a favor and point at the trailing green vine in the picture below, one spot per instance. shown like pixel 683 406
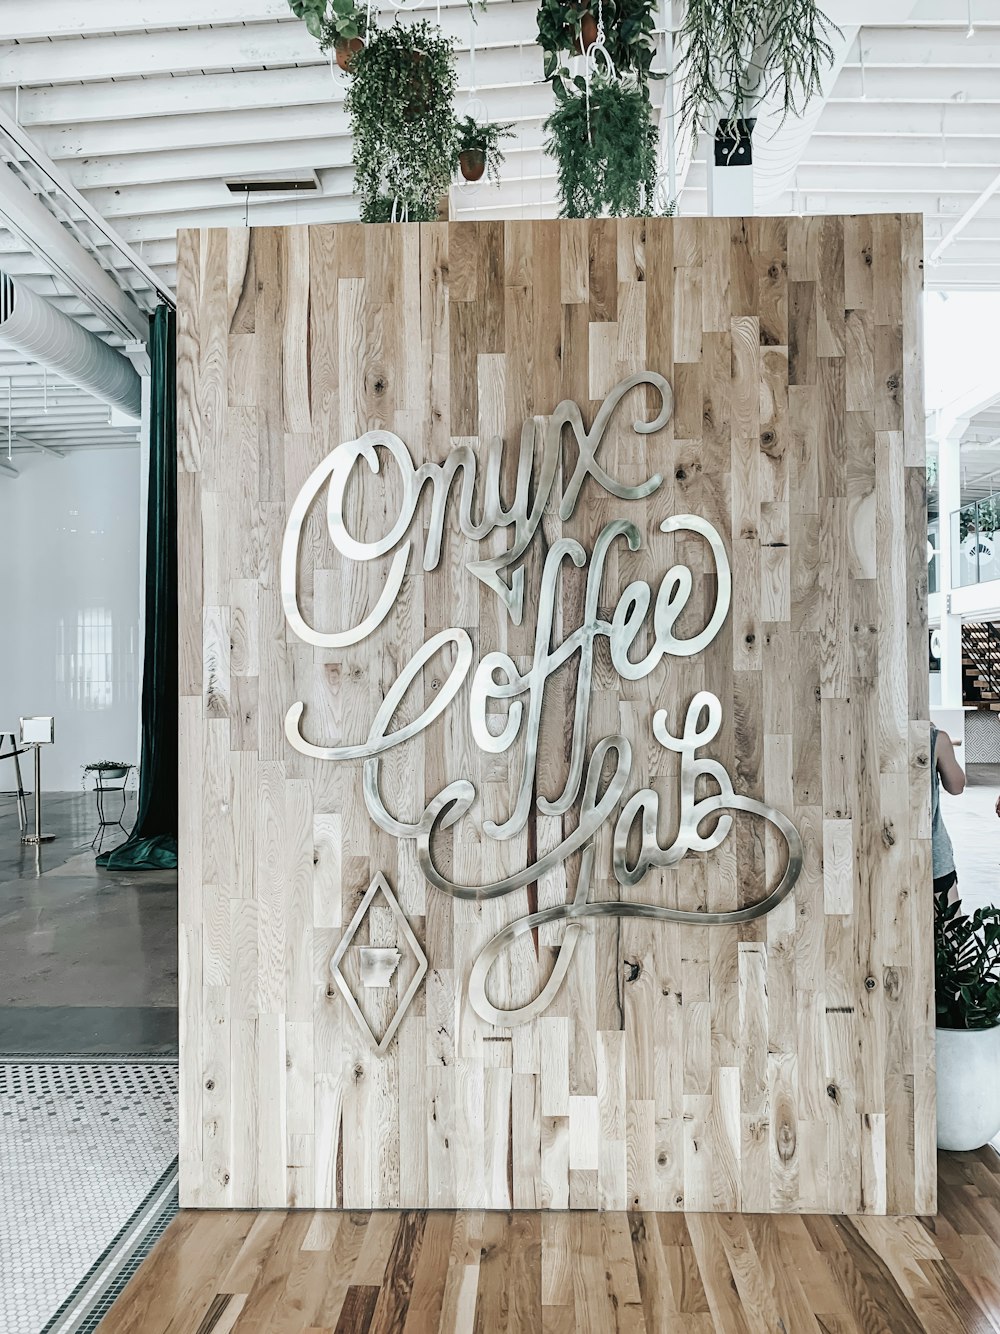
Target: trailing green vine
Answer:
pixel 400 104
pixel 604 150
pixel 734 54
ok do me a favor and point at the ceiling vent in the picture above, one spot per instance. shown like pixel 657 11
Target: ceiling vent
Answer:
pixel 302 183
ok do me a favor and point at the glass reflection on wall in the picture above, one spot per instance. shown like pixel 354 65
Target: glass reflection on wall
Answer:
pixel 94 668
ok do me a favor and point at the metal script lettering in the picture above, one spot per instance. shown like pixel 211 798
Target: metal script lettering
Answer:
pixel 503 695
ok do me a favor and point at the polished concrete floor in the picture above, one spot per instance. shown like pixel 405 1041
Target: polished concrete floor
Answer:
pixel 88 958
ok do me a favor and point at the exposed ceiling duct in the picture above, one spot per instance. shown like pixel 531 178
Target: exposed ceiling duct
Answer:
pixel 39 331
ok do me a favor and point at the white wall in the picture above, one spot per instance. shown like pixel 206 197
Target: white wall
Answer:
pixel 69 607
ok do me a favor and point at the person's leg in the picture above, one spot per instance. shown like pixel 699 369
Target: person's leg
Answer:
pixel 947 883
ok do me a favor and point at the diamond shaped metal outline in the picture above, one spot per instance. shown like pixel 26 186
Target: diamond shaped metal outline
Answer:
pixel 378 883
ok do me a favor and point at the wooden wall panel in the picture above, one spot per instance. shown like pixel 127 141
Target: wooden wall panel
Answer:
pixel 783 1063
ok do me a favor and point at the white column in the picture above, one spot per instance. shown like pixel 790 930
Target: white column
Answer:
pixel 730 179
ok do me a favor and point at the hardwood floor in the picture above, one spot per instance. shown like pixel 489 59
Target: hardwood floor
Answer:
pixel 421 1273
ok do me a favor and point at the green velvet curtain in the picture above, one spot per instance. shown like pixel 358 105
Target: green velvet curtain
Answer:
pixel 153 841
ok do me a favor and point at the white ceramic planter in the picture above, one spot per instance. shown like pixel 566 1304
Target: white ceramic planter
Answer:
pixel 968 1087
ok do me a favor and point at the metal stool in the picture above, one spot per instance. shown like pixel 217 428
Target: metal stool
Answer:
pixel 13 754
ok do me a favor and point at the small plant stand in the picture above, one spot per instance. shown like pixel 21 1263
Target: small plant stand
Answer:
pixel 113 783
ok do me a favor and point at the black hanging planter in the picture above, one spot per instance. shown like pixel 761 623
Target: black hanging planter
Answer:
pixel 734 142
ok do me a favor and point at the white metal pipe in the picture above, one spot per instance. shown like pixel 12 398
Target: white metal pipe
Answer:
pixel 35 328
pixel 975 207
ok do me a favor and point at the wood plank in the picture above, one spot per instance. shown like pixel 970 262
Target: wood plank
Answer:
pixel 678 1065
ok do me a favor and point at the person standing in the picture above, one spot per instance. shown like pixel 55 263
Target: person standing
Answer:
pixel 947 773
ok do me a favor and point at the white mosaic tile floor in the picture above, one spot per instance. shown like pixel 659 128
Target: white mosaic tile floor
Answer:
pixel 81 1146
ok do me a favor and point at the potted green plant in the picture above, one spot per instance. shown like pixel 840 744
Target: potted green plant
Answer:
pixel 733 54
pixel 478 147
pixel 967 1002
pixel 400 105
pixel 604 145
pixel 107 771
pixel 344 29
pixel 568 27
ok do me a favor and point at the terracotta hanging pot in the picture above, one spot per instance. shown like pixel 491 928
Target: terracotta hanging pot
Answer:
pixel 346 51
pixel 472 163
pixel 588 32
pixel 417 104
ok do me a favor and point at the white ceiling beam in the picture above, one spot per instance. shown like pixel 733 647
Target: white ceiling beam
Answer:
pixel 276 125
pixel 214 49
pixel 333 166
pixel 945 47
pixel 978 232
pixel 69 435
pixel 101 177
pixel 977 205
pixel 21 145
pixel 237 90
pixel 913 118
pixel 919 151
pixel 38 229
pixel 909 83
pixel 819 201
pixel 37 445
pixel 33 412
pixel 66 18
pixel 183 95
pixel 884 178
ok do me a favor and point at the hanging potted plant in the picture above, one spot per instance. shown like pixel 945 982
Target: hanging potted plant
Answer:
pixel 343 30
pixel 478 147
pixel 604 145
pixel 967 999
pixel 734 54
pixel 400 105
pixel 569 27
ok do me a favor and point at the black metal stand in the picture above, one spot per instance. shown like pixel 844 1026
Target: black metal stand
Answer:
pixel 102 790
pixel 13 754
